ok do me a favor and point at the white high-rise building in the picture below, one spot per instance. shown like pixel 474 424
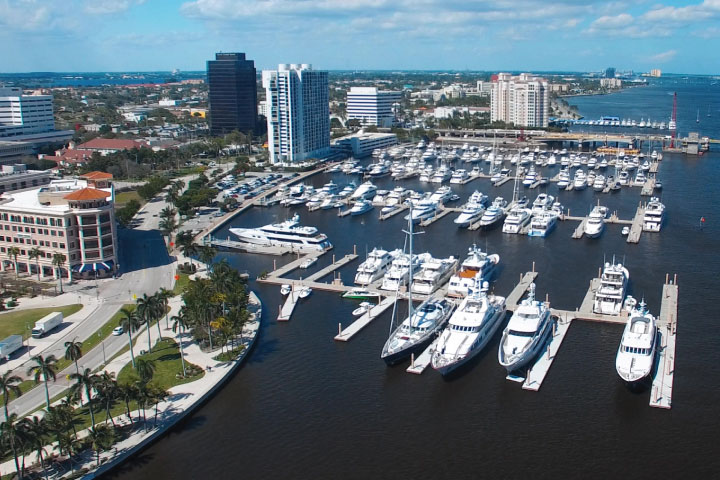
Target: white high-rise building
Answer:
pixel 24 114
pixel 371 106
pixel 521 100
pixel 298 117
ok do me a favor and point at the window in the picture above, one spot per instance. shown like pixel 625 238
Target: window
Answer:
pixel 54 244
pixel 62 245
pixel 61 233
pixel 52 232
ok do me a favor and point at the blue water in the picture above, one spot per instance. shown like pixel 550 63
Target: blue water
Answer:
pixel 306 406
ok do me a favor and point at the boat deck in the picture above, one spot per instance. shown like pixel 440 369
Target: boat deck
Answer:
pixel 363 321
pixel 662 386
pixel 538 371
pixel 419 364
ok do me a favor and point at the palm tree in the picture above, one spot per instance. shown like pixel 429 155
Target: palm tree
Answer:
pixel 158 394
pixel 167 212
pixel 164 295
pixel 108 391
pixel 188 250
pixel 178 185
pixel 207 253
pixel 145 369
pixel 13 253
pixel 45 368
pixel 36 253
pixel 179 325
pixel 68 445
pixel 9 384
pixel 12 434
pixel 127 393
pixel 73 352
pixel 101 439
pixel 36 430
pixel 146 309
pixel 85 381
pixel 58 261
pixel 130 323
pixel 168 226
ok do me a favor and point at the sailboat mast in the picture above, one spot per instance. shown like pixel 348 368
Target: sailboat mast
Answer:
pixel 410 271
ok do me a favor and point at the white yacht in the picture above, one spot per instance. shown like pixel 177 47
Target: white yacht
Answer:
pixel 654 215
pixel 459 176
pixel 442 174
pixel 563 179
pixel 441 195
pixel 526 333
pixel 595 223
pixel 580 180
pixel 399 272
pixel 365 191
pixel 422 210
pixel 470 213
pixel 380 197
pixel 469 330
pixel 640 179
pixel 636 354
pixel 610 294
pixel 599 183
pixel 360 207
pixel 530 177
pixel 286 234
pixel 494 213
pixel 433 274
pixel 542 203
pixel 374 266
pixel 516 220
pixel 378 170
pixel 542 224
pixel 477 265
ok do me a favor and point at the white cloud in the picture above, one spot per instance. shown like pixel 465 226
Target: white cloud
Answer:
pixel 106 7
pixel 663 57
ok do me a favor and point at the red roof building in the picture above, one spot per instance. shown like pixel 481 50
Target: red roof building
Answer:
pixel 105 146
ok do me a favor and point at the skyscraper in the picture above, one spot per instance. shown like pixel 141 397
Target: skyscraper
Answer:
pixel 371 106
pixel 298 113
pixel 232 97
pixel 521 100
pixel 24 114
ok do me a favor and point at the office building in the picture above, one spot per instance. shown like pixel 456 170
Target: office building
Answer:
pixel 298 113
pixel 74 217
pixel 362 144
pixel 232 93
pixel 24 114
pixel 371 106
pixel 610 72
pixel 521 100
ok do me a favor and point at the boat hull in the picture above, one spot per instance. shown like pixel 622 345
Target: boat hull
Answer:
pixel 530 354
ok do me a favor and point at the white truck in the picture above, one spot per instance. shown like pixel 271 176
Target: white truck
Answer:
pixel 9 345
pixel 47 323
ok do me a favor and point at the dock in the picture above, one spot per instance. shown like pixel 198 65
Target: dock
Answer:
pixel 517 293
pixel 289 267
pixel 503 181
pixel 436 217
pixel 364 321
pixel 580 230
pixel 637 224
pixel 648 187
pixel 343 212
pixel 538 371
pixel 470 179
pixel 332 267
pixel 289 306
pixel 419 364
pixel 662 385
pixel 400 208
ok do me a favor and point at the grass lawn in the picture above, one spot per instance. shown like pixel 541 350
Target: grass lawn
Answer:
pixel 124 197
pixel 166 355
pixel 15 323
pixel 180 284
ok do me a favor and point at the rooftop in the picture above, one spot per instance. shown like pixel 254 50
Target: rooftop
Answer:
pixel 110 144
pixel 28 200
pixel 88 193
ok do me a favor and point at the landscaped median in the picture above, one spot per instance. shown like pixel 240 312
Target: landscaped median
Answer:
pixel 20 322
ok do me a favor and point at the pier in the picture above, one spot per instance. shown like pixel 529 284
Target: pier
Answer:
pixel 400 208
pixel 364 321
pixel 537 372
pixel 332 267
pixel 419 364
pixel 436 217
pixel 648 188
pixel 580 230
pixel 517 293
pixel 662 385
pixel 289 306
pixel 637 224
pixel 289 267
pixel 503 181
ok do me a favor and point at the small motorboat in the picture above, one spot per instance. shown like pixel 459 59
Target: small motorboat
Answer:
pixel 308 262
pixel 625 231
pixel 305 292
pixel 285 289
pixel 363 308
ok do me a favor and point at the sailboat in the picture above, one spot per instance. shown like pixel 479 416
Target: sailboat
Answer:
pixel 421 325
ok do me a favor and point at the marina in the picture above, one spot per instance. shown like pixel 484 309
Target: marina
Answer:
pixel 362 322
pixel 662 385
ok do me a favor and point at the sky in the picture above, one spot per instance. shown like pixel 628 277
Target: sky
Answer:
pixel 680 36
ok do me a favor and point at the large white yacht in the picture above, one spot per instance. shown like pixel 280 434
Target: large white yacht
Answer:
pixel 374 266
pixel 516 220
pixel 469 330
pixel 473 210
pixel 636 354
pixel 365 191
pixel 286 234
pixel 494 213
pixel 422 210
pixel 399 272
pixel 433 274
pixel 526 333
pixel 610 294
pixel 654 215
pixel 542 224
pixel 477 266
pixel 595 223
pixel 541 203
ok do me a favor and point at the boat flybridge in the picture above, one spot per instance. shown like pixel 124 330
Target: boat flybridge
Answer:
pixel 610 295
pixel 654 215
pixel 526 333
pixel 470 328
pixel 433 273
pixel 595 223
pixel 399 272
pixel 289 234
pixel 477 265
pixel 636 354
pixel 374 266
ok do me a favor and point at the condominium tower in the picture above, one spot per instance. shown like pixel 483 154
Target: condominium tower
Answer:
pixel 22 115
pixel 298 117
pixel 232 94
pixel 521 100
pixel 371 106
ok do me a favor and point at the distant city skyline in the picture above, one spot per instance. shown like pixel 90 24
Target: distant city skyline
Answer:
pixel 494 35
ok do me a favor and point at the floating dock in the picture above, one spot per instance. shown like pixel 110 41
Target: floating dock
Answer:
pixel 537 373
pixel 364 321
pixel 332 267
pixel 400 208
pixel 580 230
pixel 289 306
pixel 419 364
pixel 662 385
pixel 648 187
pixel 637 224
pixel 289 267
pixel 503 181
pixel 436 217
pixel 517 293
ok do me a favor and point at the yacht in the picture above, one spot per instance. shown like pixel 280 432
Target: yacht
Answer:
pixel 595 223
pixel 396 197
pixel 378 170
pixel 639 179
pixel 471 213
pixel 654 215
pixel 580 180
pixel 563 179
pixel 636 354
pixel 374 266
pixel 542 224
pixel 365 191
pixel 360 207
pixel 459 176
pixel 599 183
pixel 433 273
pixel 477 265
pixel 530 178
pixel 526 333
pixel 494 213
pixel 399 272
pixel 380 197
pixel 442 174
pixel 623 178
pixel 542 202
pixel 610 294
pixel 360 293
pixel 441 195
pixel 422 210
pixel 516 220
pixel 469 330
pixel 287 234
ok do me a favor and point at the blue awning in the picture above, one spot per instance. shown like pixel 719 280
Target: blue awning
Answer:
pixel 93 267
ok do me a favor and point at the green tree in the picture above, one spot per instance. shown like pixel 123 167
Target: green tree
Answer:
pixel 13 435
pixel 101 439
pixel 85 381
pixel 130 323
pixel 179 326
pixel 13 252
pixel 35 253
pixel 44 368
pixel 58 262
pixel 9 385
pixel 207 254
pixel 73 352
pixel 35 433
pixel 145 369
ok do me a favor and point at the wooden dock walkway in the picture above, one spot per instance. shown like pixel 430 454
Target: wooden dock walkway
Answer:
pixel 503 181
pixel 538 371
pixel 470 179
pixel 587 304
pixel 654 167
pixel 580 230
pixel 419 364
pixel 517 293
pixel 289 306
pixel 400 208
pixel 648 188
pixel 637 224
pixel 289 267
pixel 332 267
pixel 436 217
pixel 364 321
pixel 662 386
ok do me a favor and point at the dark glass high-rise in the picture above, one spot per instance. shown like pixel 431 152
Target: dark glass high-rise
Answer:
pixel 232 85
